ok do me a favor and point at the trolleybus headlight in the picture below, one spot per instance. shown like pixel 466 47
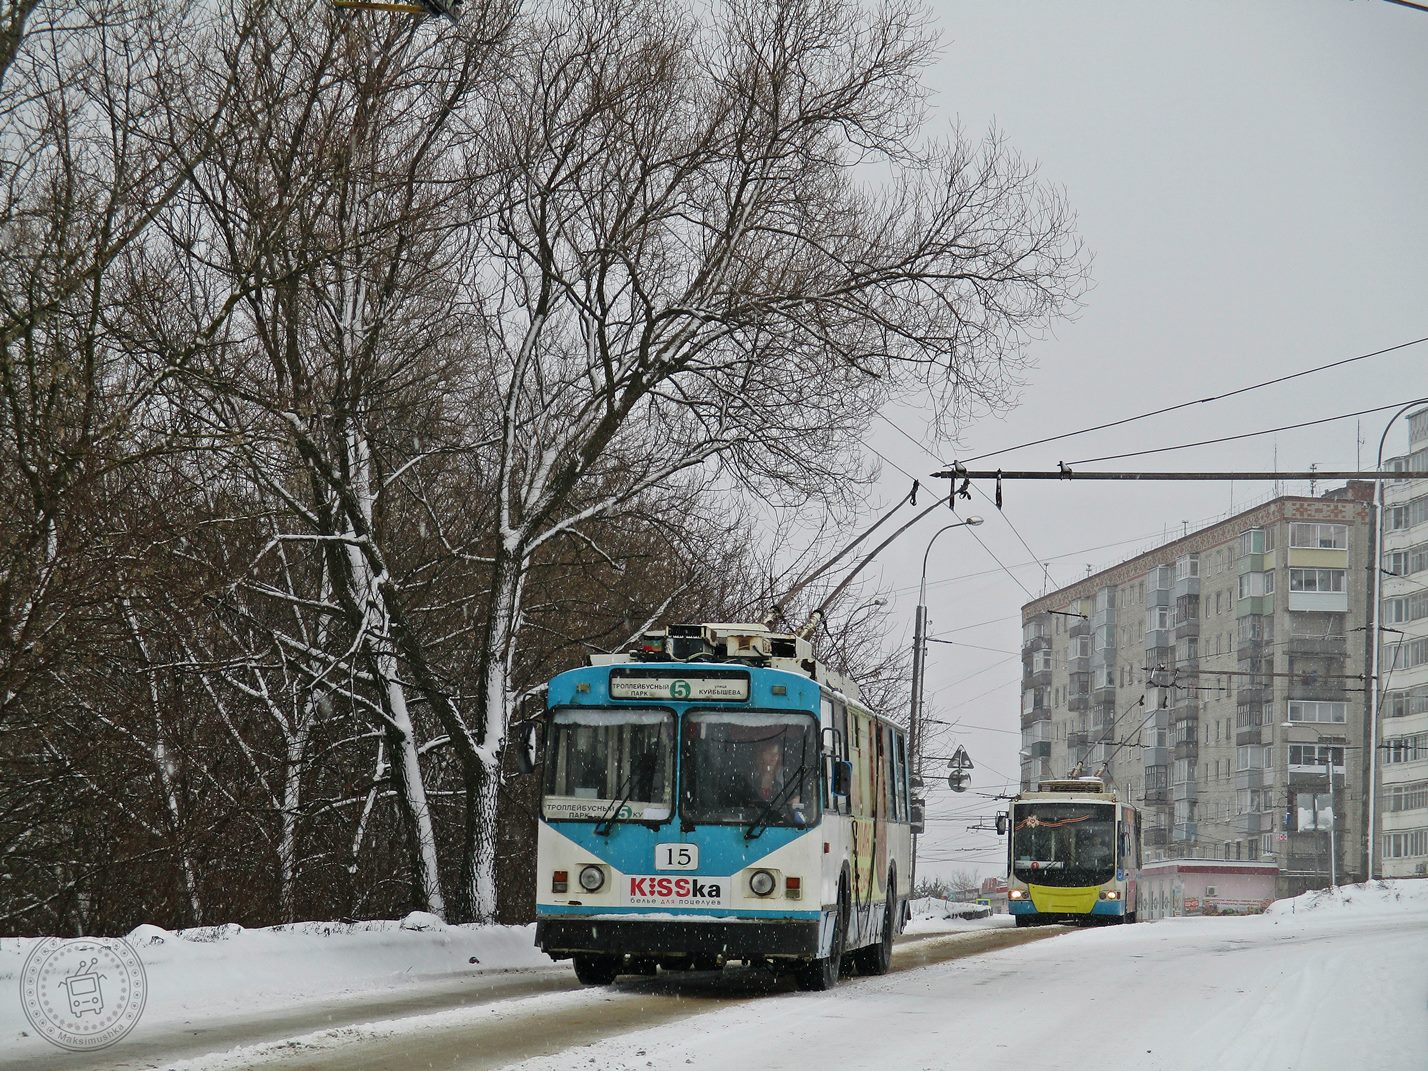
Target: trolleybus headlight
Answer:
pixel 762 883
pixel 591 878
pixel 1110 894
pixel 1016 894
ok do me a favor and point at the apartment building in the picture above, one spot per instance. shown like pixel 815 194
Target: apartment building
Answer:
pixel 1219 682
pixel 1403 666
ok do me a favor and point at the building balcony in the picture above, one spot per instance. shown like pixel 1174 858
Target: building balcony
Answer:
pixel 1157 795
pixel 1078 703
pixel 1313 646
pixel 1041 749
pixel 1184 791
pixel 1187 749
pixel 1078 741
pixel 1252 734
pixel 1040 678
pixel 1031 717
pixel 1255 648
pixel 1155 838
pixel 1186 711
pixel 1253 694
pixel 1249 779
pixel 1187 629
pixel 1323 690
pixel 1036 643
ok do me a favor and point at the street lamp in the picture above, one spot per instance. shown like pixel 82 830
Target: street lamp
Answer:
pixel 919 650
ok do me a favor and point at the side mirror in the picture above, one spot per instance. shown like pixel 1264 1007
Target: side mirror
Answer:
pixel 919 816
pixel 526 749
pixel 842 777
pixel 1002 824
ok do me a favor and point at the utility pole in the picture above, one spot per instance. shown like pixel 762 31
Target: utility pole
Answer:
pixel 1333 818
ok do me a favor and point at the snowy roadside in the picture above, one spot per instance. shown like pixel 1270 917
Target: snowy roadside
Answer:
pixel 216 973
pixel 227 973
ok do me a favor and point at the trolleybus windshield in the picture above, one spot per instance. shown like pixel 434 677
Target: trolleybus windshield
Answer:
pixel 749 767
pixel 600 758
pixel 1064 844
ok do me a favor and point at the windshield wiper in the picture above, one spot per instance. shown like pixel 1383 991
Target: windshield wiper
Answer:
pixel 606 825
pixel 784 791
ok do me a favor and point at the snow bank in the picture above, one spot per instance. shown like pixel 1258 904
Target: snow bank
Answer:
pixel 933 914
pixel 1372 898
pixel 231 970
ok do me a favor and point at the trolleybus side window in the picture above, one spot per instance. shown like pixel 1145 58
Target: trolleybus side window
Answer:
pixel 750 767
pixel 896 809
pixel 840 722
pixel 906 808
pixel 598 758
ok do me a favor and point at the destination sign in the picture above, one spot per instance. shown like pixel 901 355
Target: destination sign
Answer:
pixel 697 687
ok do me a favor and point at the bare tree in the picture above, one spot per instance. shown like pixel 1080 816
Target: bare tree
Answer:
pixel 472 342
pixel 718 247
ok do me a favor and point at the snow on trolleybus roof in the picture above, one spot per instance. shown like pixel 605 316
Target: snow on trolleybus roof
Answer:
pixel 724 643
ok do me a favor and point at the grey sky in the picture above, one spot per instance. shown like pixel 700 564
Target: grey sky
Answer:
pixel 1252 178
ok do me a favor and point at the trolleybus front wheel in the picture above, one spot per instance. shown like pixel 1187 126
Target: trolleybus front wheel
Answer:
pixel 822 973
pixel 597 970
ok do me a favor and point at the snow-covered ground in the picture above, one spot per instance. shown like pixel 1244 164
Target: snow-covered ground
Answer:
pixel 1332 981
pixel 226 972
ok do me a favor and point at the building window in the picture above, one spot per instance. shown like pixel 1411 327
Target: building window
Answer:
pixel 1322 710
pixel 1406 845
pixel 1253 585
pixel 1407 515
pixel 1410 797
pixel 1405 749
pixel 1308 758
pixel 1405 655
pixel 1319 536
pixel 1407 701
pixel 1316 579
pixel 1254 757
pixel 1187 567
pixel 1404 562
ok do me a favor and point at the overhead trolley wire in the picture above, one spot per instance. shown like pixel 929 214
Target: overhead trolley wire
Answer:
pixel 1199 401
pixel 1232 438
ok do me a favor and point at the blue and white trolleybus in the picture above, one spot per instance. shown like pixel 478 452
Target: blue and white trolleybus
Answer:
pixel 716 794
